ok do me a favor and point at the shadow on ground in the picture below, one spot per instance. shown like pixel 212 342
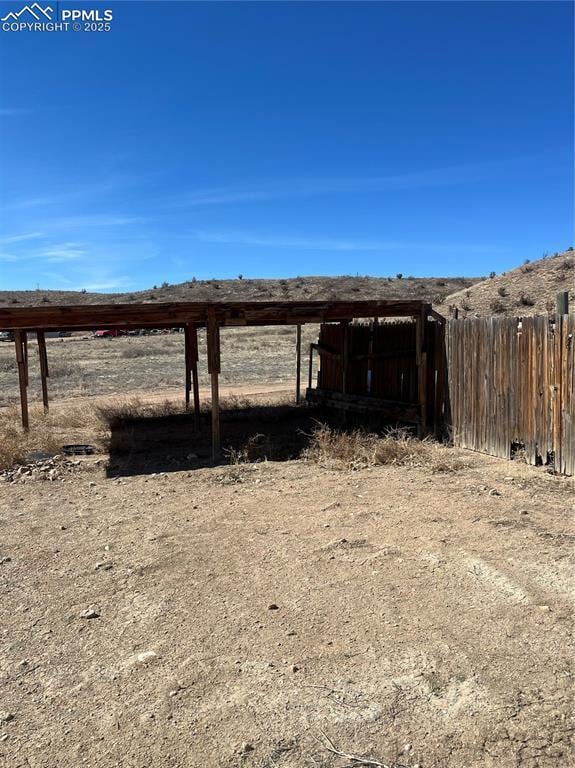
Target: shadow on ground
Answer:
pixel 143 445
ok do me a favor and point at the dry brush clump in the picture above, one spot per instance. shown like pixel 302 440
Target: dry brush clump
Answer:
pixel 48 433
pixel 131 410
pixel 358 450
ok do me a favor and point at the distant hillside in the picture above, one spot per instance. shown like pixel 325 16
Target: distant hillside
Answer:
pixel 530 289
pixel 432 289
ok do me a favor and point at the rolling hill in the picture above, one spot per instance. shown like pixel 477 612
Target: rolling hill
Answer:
pixel 432 289
pixel 530 289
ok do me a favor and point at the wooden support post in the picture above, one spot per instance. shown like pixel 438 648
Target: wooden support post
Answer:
pixel 563 303
pixel 344 355
pixel 187 365
pixel 213 334
pixel 298 364
pixel 191 342
pixel 44 372
pixel 310 375
pixel 421 361
pixel 22 376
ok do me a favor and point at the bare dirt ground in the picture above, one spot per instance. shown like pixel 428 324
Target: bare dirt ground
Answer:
pixel 243 615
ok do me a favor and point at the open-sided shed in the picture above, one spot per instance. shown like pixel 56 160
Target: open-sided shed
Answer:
pixel 214 315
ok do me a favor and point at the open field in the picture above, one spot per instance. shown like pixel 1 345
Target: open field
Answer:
pixel 84 366
pixel 245 614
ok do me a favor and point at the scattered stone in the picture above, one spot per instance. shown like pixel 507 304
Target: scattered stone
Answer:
pixel 103 566
pixel 246 747
pixel 407 748
pixel 146 656
pixel 89 613
pixel 4 737
pixel 5 559
pixel 37 468
pixel 291 633
pixel 494 492
pixel 5 716
pixel 294 668
pixel 273 607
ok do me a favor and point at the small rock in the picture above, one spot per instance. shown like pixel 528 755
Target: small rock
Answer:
pixel 407 747
pixel 4 737
pixel 5 560
pixel 146 656
pixel 89 613
pixel 273 607
pixel 494 492
pixel 524 512
pixel 291 633
pixel 294 668
pixel 92 484
pixel 103 566
pixel 5 716
pixel 247 747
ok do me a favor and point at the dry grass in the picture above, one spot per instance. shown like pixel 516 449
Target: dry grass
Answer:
pixel 358 450
pixel 133 409
pixel 49 433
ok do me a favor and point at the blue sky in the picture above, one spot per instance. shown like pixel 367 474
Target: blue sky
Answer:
pixel 277 139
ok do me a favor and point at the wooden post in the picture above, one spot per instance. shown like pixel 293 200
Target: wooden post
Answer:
pixel 22 376
pixel 344 355
pixel 191 344
pixel 421 361
pixel 44 373
pixel 298 364
pixel 213 334
pixel 563 303
pixel 310 375
pixel 187 365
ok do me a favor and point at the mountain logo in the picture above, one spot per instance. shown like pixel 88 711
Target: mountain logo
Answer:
pixel 35 10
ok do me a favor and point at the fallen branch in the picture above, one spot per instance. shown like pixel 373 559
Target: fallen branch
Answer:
pixel 356 759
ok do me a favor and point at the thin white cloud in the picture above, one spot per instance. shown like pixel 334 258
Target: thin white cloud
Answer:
pixel 465 173
pixel 62 252
pixel 336 244
pixel 94 220
pixel 13 111
pixel 302 188
pixel 20 238
pixel 64 197
pixel 108 285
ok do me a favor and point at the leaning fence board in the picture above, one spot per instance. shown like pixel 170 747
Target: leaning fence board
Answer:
pixel 511 387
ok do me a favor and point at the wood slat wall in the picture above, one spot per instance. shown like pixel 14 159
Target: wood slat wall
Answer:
pixel 393 374
pixel 511 386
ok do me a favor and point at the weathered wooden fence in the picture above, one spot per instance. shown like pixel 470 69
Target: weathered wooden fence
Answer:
pixel 511 387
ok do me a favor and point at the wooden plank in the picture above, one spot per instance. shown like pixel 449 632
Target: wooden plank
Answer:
pixel 298 364
pixel 213 339
pixel 140 315
pixel 22 377
pixel 44 373
pixel 344 355
pixel 187 365
pixel 562 303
